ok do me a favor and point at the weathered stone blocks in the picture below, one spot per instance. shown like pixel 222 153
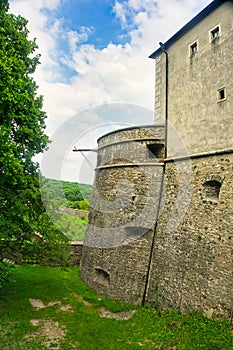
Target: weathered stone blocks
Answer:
pixel 193 265
pixel 161 230
pixel 123 212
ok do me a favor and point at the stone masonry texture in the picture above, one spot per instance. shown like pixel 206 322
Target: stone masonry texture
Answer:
pixel 193 264
pixel 123 212
pixel 161 229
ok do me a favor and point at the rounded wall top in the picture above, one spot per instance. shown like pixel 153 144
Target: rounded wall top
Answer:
pixel 132 133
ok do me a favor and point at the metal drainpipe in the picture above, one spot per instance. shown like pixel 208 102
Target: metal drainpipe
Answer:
pixel 162 178
pixel 166 95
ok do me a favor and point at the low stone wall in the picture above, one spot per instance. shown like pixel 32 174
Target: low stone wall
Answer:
pixel 74 212
pixel 76 253
pixel 10 252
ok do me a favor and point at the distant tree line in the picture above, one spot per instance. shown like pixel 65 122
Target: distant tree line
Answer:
pixel 66 194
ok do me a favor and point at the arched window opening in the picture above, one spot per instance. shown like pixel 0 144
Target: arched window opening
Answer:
pixel 102 277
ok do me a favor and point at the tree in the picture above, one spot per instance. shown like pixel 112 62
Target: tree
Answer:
pixel 22 119
pixel 22 131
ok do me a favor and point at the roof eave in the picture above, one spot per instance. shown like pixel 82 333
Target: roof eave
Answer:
pixel 195 20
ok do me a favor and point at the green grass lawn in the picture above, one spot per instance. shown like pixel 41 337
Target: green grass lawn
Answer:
pixel 51 308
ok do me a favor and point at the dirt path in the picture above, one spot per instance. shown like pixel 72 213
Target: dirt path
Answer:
pixel 53 332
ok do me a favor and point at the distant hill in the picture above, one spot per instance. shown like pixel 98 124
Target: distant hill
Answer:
pixel 64 194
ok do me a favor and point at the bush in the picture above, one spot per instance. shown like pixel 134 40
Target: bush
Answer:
pixel 5 273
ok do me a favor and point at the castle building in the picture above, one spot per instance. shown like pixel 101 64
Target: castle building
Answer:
pixel 200 79
pixel 161 223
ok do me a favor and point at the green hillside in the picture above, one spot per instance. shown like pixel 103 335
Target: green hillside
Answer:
pixel 57 195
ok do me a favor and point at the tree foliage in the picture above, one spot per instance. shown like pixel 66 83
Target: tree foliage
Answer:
pixel 66 194
pixel 22 136
pixel 22 118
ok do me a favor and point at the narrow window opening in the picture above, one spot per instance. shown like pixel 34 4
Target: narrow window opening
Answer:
pixel 193 48
pixel 98 160
pixel 212 190
pixel 214 34
pixel 133 198
pixel 102 277
pixel 221 94
pixel 156 150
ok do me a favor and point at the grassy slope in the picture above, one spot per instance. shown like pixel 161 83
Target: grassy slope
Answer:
pixel 85 329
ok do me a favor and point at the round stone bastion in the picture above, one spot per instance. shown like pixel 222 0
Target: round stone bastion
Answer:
pixel 124 205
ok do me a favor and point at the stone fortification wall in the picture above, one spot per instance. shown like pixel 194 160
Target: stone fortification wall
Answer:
pixel 123 212
pixel 185 261
pixel 192 263
pixel 118 273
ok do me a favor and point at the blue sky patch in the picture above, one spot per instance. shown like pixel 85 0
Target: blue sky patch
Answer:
pixel 97 15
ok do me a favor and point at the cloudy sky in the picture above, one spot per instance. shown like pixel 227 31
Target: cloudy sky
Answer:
pixel 95 53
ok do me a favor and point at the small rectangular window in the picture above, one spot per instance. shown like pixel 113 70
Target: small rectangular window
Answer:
pixel 193 48
pixel 221 94
pixel 156 150
pixel 215 33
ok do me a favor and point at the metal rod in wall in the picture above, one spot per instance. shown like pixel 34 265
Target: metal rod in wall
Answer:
pixel 84 149
pixel 144 297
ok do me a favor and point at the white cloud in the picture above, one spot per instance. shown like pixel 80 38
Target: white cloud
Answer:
pixel 116 73
pixel 120 12
pixel 120 73
pixel 76 38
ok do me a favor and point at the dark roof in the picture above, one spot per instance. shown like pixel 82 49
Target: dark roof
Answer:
pixel 195 20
